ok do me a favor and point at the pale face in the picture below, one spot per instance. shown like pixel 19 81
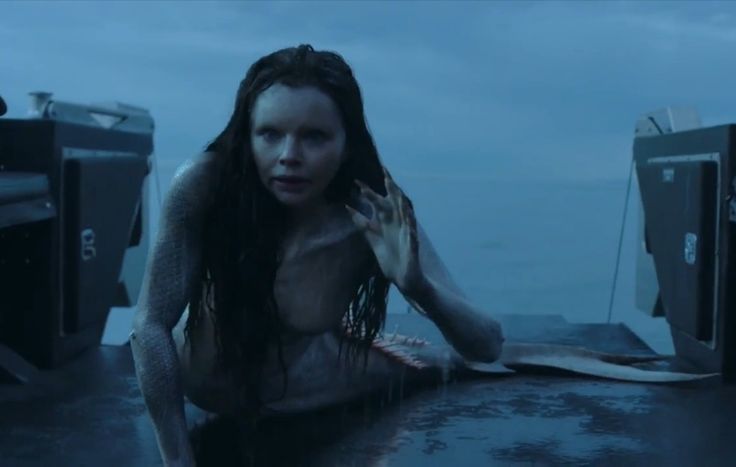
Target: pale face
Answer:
pixel 297 132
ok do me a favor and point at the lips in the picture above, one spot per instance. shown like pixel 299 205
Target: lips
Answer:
pixel 290 184
pixel 291 179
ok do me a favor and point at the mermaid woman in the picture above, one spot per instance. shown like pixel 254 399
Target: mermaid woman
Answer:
pixel 266 289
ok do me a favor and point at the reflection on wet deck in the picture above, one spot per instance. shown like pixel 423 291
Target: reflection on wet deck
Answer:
pixel 91 413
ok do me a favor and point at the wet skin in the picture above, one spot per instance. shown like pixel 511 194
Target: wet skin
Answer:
pixel 296 132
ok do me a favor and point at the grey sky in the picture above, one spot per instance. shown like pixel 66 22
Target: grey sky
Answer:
pixel 476 89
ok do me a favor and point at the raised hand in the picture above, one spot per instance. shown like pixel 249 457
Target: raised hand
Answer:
pixel 391 232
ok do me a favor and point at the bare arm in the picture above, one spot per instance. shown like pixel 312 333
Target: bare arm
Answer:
pixel 471 331
pixel 172 270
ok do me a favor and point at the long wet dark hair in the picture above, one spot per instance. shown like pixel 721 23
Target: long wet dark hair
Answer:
pixel 245 224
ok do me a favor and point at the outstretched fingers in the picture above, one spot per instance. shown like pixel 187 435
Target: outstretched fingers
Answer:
pixel 381 204
pixel 361 220
pixel 393 193
pixel 406 212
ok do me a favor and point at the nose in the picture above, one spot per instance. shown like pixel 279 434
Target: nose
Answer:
pixel 290 154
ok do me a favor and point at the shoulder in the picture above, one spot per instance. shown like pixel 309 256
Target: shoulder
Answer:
pixel 195 171
pixel 188 192
pixel 195 175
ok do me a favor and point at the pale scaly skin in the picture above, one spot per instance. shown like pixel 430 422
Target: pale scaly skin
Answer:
pixel 171 272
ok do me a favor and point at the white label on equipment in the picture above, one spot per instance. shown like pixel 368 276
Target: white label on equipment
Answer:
pixel 88 244
pixel 668 175
pixel 691 244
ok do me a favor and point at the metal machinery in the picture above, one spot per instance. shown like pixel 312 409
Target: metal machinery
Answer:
pixel 686 269
pixel 73 226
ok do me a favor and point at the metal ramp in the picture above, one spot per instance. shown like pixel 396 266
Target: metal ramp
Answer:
pixel 90 412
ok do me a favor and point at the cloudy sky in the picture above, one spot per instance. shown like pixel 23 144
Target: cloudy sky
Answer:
pixel 476 89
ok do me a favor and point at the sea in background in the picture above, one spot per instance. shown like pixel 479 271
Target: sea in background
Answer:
pixel 517 247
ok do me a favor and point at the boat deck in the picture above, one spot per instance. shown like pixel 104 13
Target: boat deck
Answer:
pixel 91 413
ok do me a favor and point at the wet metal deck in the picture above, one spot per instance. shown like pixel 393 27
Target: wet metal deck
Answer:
pixel 91 413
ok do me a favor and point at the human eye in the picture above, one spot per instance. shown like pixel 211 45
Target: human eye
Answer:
pixel 316 135
pixel 267 133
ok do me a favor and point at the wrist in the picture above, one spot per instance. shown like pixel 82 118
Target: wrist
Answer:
pixel 418 290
